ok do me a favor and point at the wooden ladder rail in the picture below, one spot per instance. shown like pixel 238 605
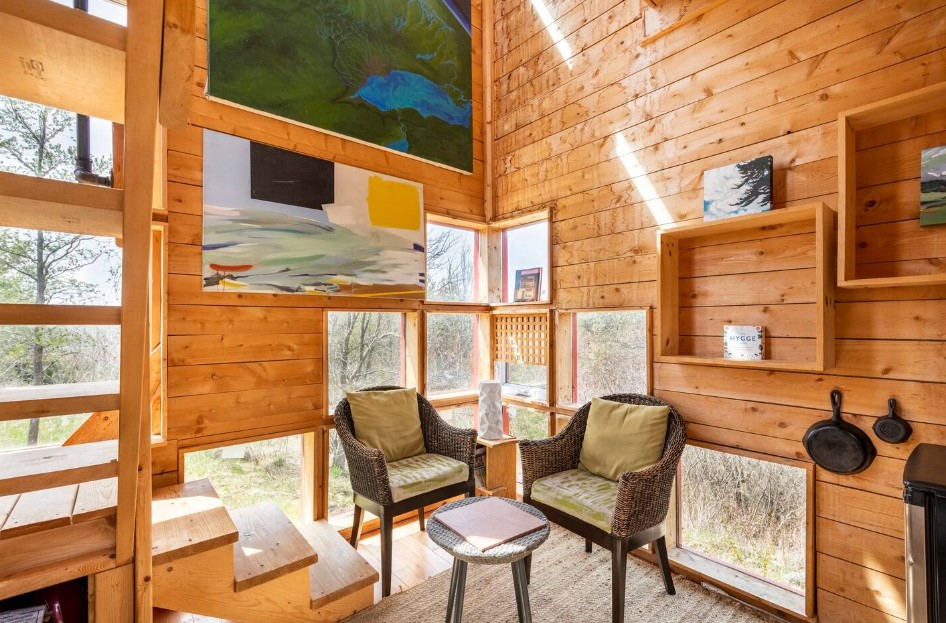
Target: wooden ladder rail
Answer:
pixel 142 83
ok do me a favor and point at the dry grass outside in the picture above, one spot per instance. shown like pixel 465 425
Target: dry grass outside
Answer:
pixel 746 512
pixel 247 474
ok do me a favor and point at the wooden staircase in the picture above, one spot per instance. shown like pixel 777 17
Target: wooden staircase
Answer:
pixel 253 564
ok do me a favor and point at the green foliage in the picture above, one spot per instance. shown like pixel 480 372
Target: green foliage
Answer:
pixel 450 364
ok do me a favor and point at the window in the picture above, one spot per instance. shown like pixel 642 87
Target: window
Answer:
pixel 365 349
pixel 747 513
pixel 452 260
pixel 461 417
pixel 525 247
pixel 610 354
pixel 524 380
pixel 452 353
pixel 254 472
pixel 526 424
pixel 47 431
pixel 106 9
pixel 40 141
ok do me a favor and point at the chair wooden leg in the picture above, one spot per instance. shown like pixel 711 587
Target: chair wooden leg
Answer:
pixel 588 545
pixel 420 518
pixel 618 578
pixel 665 565
pixel 358 519
pixel 387 538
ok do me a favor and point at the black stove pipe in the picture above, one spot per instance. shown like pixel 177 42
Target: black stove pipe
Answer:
pixel 84 172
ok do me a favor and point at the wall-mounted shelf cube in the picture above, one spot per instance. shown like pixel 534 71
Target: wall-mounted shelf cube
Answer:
pixel 850 122
pixel 773 269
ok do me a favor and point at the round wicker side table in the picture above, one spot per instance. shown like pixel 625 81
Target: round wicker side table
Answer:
pixel 517 552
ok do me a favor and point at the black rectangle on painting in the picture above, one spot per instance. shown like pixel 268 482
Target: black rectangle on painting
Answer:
pixel 282 176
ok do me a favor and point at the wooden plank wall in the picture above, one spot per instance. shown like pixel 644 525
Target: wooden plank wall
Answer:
pixel 243 366
pixel 748 78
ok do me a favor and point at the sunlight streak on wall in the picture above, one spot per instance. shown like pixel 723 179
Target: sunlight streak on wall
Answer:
pixel 638 175
pixel 557 37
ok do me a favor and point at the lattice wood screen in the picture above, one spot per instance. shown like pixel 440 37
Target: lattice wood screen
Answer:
pixel 521 338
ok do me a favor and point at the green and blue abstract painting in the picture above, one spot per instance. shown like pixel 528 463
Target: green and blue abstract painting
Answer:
pixel 393 73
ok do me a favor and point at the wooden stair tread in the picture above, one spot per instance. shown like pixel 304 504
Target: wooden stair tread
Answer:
pixel 341 570
pixel 270 546
pixel 20 403
pixel 188 519
pixel 32 469
pixel 37 511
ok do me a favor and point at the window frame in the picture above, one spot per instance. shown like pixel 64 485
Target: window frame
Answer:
pixel 772 595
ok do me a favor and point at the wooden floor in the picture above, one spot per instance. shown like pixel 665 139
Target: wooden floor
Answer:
pixel 416 558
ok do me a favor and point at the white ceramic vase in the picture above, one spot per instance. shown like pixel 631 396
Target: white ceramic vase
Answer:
pixel 491 410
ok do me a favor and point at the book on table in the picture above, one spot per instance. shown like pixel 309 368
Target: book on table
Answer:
pixel 491 522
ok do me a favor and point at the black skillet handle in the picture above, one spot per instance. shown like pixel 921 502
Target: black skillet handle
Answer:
pixel 836 405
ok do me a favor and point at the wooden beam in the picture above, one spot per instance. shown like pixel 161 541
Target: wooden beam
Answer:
pixel 56 68
pixel 43 468
pixel 52 315
pixel 18 403
pixel 177 70
pixel 67 20
pixel 142 82
pixel 54 205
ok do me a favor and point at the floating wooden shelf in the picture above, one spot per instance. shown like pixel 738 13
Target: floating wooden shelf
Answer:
pixel 850 122
pixel 22 471
pixel 19 403
pixel 772 269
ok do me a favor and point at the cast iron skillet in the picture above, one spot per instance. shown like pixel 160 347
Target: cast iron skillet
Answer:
pixel 892 428
pixel 839 446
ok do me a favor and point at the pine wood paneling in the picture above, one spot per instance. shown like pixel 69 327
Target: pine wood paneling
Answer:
pixel 614 142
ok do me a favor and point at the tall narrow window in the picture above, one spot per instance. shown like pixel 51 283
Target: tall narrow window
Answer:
pixel 365 349
pixel 524 248
pixel 610 354
pixel 452 263
pixel 451 353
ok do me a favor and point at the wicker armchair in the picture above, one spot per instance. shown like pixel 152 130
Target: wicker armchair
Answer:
pixel 371 483
pixel 643 498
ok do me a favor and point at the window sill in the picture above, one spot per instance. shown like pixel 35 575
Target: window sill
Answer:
pixel 453 399
pixel 511 307
pixel 533 402
pixel 737 583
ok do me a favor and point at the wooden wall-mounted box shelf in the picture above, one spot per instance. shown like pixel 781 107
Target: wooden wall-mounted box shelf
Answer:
pixel 773 269
pixel 850 122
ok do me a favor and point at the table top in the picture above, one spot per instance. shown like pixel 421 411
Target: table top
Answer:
pixel 501 554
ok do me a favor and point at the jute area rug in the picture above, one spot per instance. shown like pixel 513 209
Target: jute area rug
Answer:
pixel 568 585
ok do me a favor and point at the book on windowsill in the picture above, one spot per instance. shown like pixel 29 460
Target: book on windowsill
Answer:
pixel 490 522
pixel 744 343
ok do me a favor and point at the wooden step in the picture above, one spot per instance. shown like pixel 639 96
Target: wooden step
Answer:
pixel 270 546
pixel 341 571
pixel 21 403
pixel 33 469
pixel 188 519
pixel 38 511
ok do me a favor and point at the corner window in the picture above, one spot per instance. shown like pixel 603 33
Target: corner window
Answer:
pixel 452 260
pixel 525 263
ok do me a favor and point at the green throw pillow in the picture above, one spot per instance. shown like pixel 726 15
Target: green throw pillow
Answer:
pixel 388 421
pixel 622 438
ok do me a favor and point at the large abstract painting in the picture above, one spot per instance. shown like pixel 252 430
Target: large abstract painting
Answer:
pixel 279 221
pixel 394 73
